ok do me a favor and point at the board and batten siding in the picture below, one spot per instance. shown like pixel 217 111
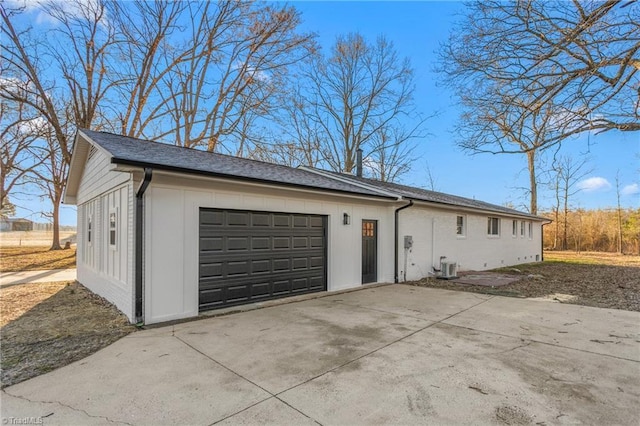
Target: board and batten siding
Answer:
pixel 171 246
pixel 434 235
pixel 104 269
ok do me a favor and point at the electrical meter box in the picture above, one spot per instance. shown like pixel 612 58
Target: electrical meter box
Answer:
pixel 408 241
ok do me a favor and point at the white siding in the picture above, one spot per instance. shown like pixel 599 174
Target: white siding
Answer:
pixel 98 177
pixel 106 270
pixel 171 242
pixel 434 235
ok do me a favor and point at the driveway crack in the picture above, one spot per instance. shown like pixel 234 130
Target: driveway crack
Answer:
pixel 79 410
pixel 271 394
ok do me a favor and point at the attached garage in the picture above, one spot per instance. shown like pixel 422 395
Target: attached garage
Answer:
pixel 166 232
pixel 250 256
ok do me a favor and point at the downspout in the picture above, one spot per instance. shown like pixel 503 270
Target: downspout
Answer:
pixel 395 241
pixel 148 174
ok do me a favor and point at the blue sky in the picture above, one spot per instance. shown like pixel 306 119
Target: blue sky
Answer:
pixel 417 29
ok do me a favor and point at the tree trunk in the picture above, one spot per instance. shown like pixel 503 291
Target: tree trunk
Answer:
pixel 55 244
pixel 619 214
pixel 565 238
pixel 531 160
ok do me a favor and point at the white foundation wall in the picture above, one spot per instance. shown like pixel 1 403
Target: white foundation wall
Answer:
pixel 104 269
pixel 172 207
pixel 434 235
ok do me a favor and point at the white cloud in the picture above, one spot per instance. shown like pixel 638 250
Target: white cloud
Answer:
pixel 595 183
pixel 76 8
pixel 631 189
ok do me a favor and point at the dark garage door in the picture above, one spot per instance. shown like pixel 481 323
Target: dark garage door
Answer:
pixel 249 256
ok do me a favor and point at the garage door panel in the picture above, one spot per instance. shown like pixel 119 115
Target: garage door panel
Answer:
pixel 237 218
pixel 281 243
pixel 211 217
pixel 316 222
pixel 247 256
pixel 300 263
pixel 316 242
pixel 281 220
pixel 211 270
pixel 238 243
pixel 281 265
pixel 210 243
pixel 260 219
pixel 260 243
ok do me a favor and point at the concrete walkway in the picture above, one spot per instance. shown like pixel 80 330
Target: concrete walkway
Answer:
pixel 388 355
pixel 24 277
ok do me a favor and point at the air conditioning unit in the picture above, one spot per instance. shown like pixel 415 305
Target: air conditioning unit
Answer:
pixel 449 270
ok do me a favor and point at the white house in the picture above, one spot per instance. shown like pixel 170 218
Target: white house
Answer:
pixel 166 232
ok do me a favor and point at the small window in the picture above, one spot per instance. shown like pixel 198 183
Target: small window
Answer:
pixel 514 228
pixel 89 228
pixel 460 226
pixel 493 226
pixel 522 228
pixel 113 228
pixel 530 230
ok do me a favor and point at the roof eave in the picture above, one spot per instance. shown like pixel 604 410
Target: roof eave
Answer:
pixel 186 171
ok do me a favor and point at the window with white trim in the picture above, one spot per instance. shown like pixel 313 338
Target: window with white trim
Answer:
pixel 514 228
pixel 113 228
pixel 460 226
pixel 522 228
pixel 530 230
pixel 493 226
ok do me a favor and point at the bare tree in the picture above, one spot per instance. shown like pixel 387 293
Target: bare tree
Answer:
pixel 582 56
pixel 204 69
pixel 20 127
pixel 62 79
pixel 359 91
pixel 391 154
pixel 567 172
pixel 50 176
pixel 193 72
pixel 495 122
pixel 619 213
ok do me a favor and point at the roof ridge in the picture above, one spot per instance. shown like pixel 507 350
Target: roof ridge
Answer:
pixel 189 149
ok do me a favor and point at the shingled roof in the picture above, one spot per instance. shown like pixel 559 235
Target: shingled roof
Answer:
pixel 420 194
pixel 143 153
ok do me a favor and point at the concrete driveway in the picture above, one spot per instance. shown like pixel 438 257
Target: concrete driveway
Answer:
pixel 391 354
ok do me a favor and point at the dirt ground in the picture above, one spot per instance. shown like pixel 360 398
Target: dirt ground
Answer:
pixel 35 258
pixel 45 326
pixel 592 279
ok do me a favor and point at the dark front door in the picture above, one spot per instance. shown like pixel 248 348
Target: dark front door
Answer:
pixel 250 256
pixel 369 251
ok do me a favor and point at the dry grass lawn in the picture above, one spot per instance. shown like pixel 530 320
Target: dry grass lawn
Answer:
pixel 592 279
pixel 45 326
pixel 35 258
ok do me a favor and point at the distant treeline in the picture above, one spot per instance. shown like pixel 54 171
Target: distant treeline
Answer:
pixel 607 230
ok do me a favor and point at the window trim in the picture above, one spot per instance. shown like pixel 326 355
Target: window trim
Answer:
pixel 113 243
pixel 490 228
pixel 530 230
pixel 462 228
pixel 514 228
pixel 522 229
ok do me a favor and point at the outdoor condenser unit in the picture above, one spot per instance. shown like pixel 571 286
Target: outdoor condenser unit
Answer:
pixel 448 270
